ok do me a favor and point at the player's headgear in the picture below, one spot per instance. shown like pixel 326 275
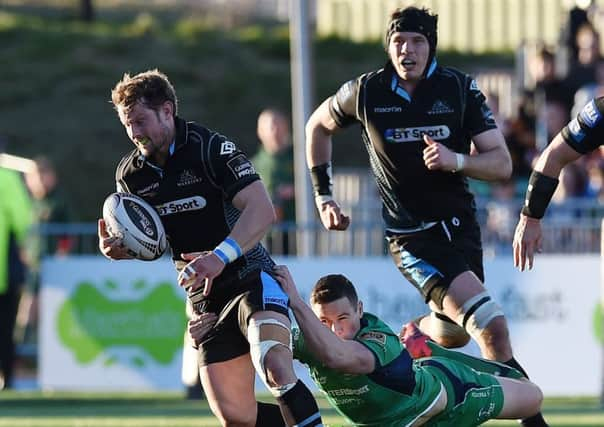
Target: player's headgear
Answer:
pixel 414 20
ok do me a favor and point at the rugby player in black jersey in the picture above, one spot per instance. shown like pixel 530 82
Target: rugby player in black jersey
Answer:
pixel 215 210
pixel 583 134
pixel 426 128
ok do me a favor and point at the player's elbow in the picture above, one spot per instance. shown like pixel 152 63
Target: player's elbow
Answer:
pixel 503 171
pixel 506 168
pixel 334 361
pixel 346 364
pixel 271 215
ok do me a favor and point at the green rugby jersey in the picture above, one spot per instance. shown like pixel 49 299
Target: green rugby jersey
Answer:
pixel 396 393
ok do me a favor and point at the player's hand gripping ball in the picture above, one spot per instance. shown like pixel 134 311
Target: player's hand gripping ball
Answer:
pixel 133 220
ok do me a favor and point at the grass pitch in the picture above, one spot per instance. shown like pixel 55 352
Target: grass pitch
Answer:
pixel 44 409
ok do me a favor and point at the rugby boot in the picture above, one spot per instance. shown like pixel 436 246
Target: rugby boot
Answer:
pixel 415 341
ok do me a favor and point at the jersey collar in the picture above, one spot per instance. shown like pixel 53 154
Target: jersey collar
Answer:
pixel 182 132
pixel 396 87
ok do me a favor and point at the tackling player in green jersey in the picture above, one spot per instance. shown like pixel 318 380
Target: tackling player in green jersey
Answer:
pixel 372 380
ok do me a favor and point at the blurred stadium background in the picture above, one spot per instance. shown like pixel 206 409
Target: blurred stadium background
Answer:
pixel 228 59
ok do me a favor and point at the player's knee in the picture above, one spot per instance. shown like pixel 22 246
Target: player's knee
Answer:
pixel 232 414
pixel 532 401
pixel 459 340
pixel 278 366
pixel 270 350
pixel 444 331
pixel 481 314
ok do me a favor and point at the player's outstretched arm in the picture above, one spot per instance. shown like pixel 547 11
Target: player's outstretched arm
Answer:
pixel 346 356
pixel 542 184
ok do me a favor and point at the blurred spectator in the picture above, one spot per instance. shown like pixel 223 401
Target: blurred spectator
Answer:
pixel 576 17
pixel 15 220
pixel 502 213
pixel 542 66
pixel 595 179
pixel 591 90
pixel 274 162
pixel 49 207
pixel 552 98
pixel 573 182
pixel 520 137
pixel 556 116
pixel 582 71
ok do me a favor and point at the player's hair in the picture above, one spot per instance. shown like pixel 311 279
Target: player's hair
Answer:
pixel 415 20
pixel 152 88
pixel 331 288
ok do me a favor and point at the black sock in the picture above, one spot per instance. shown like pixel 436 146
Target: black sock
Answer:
pixel 536 420
pixel 514 364
pixel 299 408
pixel 269 415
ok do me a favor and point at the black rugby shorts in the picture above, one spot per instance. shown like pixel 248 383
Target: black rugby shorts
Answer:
pixel 430 259
pixel 227 340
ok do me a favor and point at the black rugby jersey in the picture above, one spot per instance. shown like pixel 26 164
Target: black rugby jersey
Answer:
pixel 585 133
pixel 193 192
pixel 448 106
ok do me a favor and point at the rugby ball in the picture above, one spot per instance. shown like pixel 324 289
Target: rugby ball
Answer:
pixel 132 219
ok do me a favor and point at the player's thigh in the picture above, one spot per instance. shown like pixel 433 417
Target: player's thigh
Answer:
pixel 463 287
pixel 229 387
pixel 434 258
pixel 521 398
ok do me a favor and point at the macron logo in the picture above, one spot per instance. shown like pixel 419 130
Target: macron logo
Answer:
pixel 392 109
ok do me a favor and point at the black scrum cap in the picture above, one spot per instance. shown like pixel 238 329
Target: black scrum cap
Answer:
pixel 413 19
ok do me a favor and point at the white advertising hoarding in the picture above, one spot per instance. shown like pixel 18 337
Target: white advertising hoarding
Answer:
pixel 110 325
pixel 119 325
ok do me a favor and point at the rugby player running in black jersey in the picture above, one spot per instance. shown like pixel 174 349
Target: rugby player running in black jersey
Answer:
pixel 580 136
pixel 215 210
pixel 425 129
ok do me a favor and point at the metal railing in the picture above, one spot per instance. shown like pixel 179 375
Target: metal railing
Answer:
pixel 570 227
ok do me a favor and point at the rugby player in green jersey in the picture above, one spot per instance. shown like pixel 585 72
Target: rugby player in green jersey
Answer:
pixel 372 380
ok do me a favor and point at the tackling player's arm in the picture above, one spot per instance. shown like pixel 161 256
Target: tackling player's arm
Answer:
pixel 347 356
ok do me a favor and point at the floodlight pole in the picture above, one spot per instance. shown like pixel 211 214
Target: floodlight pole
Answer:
pixel 302 90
